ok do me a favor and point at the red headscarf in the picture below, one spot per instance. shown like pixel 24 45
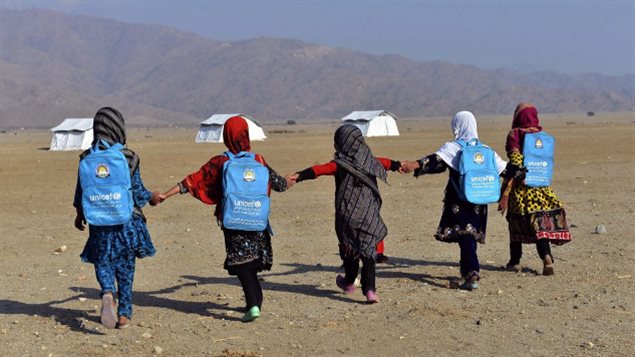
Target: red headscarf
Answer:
pixel 206 184
pixel 236 135
pixel 525 120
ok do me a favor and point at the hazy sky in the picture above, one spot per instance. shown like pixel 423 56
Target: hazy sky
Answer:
pixel 565 36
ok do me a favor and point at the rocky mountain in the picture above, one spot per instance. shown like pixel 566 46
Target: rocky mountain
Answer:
pixel 54 65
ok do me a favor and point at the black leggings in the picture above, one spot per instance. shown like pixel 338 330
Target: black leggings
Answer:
pixel 351 267
pixel 516 251
pixel 248 275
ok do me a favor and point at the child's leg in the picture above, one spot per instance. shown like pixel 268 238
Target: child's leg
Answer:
pixel 543 248
pixel 125 268
pixel 380 247
pixel 106 277
pixel 351 269
pixel 544 251
pixel 469 258
pixel 255 268
pixel 105 274
pixel 381 258
pixel 515 253
pixel 249 281
pixel 368 275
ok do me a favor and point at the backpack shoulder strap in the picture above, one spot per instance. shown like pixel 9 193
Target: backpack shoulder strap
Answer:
pixel 472 142
pixel 461 143
pixel 260 159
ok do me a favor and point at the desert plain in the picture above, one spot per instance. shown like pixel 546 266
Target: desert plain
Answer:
pixel 185 304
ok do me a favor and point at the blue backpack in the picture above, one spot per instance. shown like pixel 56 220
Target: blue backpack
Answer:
pixel 478 182
pixel 106 189
pixel 538 158
pixel 246 200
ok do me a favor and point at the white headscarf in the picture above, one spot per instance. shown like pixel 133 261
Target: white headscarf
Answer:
pixel 464 128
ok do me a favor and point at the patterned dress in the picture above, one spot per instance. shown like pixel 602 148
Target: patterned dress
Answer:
pixel 534 212
pixel 460 219
pixel 244 247
pixel 241 246
pixel 112 249
pixel 359 227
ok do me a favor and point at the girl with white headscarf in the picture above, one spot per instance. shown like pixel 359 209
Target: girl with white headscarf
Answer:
pixel 462 222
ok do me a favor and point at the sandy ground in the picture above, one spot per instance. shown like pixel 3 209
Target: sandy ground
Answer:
pixel 185 304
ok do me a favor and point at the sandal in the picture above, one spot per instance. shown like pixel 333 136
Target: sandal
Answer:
pixel 548 266
pixel 341 283
pixel 470 282
pixel 251 314
pixel 517 268
pixel 108 313
pixel 123 323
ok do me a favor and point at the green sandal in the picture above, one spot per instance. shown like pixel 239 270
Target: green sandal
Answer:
pixel 251 314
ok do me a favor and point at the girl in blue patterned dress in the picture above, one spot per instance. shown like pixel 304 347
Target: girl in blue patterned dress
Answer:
pixel 113 249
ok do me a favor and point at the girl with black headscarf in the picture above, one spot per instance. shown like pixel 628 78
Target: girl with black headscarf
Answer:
pixel 358 225
pixel 113 249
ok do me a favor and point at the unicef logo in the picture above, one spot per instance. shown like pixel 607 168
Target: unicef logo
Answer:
pixel 257 204
pixel 539 144
pixel 249 175
pixel 116 196
pixel 478 158
pixel 102 171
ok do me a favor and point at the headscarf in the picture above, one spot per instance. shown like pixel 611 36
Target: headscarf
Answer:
pixel 525 120
pixel 236 134
pixel 109 125
pixel 354 155
pixel 464 128
pixel 206 184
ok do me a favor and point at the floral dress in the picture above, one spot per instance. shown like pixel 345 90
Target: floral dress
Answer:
pixel 244 247
pixel 460 219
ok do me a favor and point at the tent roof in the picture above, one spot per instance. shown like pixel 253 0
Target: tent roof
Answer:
pixel 74 124
pixel 220 119
pixel 367 115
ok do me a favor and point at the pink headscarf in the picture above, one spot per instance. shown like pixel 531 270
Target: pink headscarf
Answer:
pixel 525 120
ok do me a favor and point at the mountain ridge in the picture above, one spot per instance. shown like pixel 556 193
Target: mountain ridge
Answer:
pixel 55 65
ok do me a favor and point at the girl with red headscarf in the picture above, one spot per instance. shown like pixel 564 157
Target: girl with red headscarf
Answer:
pixel 247 252
pixel 535 215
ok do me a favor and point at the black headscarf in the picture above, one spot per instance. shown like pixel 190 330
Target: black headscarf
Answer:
pixel 110 126
pixel 353 155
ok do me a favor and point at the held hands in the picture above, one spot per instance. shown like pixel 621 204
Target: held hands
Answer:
pixel 165 195
pixel 409 166
pixel 292 179
pixel 156 198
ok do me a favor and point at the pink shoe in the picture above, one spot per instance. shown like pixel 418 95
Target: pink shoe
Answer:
pixel 371 297
pixel 341 283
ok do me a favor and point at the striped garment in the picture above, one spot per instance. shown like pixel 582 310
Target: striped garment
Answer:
pixel 358 225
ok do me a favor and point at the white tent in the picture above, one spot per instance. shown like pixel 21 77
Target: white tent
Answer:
pixel 374 122
pixel 211 130
pixel 72 134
